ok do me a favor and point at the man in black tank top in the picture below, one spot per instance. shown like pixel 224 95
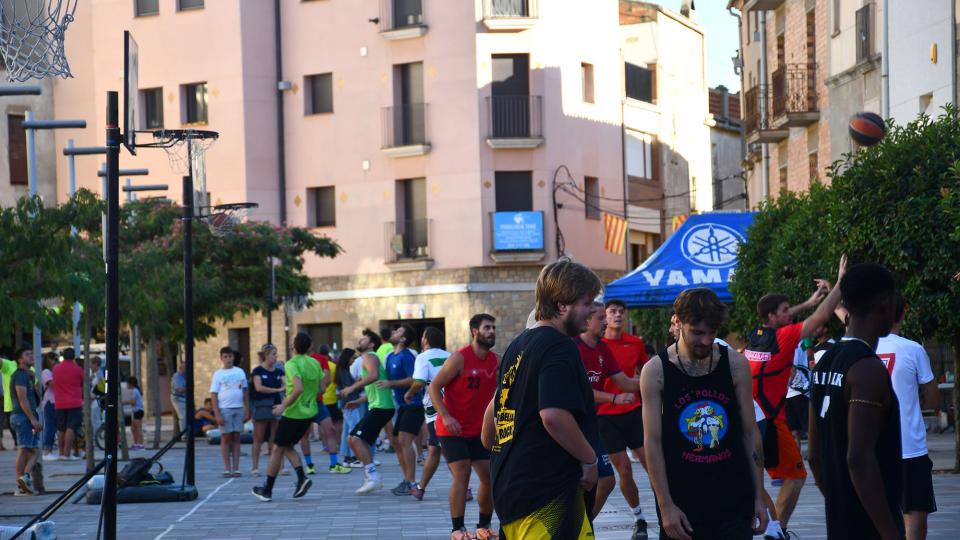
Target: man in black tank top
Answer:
pixel 854 433
pixel 704 454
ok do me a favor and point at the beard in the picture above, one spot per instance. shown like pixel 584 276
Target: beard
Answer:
pixel 573 325
pixel 698 352
pixel 487 342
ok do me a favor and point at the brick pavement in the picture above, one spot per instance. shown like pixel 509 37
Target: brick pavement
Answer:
pixel 332 511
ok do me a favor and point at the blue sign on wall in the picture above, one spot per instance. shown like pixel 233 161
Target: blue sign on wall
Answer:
pixel 515 231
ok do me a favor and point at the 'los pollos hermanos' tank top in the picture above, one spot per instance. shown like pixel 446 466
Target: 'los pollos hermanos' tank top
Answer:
pixel 702 432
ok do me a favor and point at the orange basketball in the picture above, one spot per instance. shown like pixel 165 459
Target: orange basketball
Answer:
pixel 867 128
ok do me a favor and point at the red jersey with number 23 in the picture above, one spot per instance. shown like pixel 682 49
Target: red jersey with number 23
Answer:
pixel 631 354
pixel 466 397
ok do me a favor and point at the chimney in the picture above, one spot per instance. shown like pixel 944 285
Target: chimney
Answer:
pixel 688 10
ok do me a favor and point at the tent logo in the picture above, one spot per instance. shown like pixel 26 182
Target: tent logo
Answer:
pixel 712 245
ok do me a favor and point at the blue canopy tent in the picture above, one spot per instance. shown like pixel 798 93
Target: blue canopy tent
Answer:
pixel 701 253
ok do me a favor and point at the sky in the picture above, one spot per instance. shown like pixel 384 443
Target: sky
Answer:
pixel 720 29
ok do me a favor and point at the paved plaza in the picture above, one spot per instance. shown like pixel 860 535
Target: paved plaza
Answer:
pixel 226 510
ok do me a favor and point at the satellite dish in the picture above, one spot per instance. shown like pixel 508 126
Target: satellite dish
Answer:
pixel 396 244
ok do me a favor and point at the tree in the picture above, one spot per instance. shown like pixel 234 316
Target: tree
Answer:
pixel 896 204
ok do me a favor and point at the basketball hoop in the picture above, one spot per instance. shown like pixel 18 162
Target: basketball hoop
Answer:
pixel 31 38
pixel 223 218
pixel 186 152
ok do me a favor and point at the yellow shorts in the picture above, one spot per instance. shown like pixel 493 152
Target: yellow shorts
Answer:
pixel 560 519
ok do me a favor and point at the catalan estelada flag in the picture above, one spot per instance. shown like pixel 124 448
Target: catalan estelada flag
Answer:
pixel 615 231
pixel 678 221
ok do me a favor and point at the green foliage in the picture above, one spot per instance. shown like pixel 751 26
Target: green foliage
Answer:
pixel 231 274
pixel 653 324
pixel 895 203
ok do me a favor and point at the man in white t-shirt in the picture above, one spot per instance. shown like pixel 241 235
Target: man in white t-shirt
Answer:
pixel 916 390
pixel 426 367
pixel 228 390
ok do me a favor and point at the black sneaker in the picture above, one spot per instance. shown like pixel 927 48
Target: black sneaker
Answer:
pixel 261 493
pixel 303 486
pixel 639 530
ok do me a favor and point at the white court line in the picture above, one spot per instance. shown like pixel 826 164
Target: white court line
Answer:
pixel 195 508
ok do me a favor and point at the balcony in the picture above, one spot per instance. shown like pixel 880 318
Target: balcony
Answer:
pixel 401 19
pixel 794 100
pixel 510 15
pixel 405 130
pixel 514 122
pixel 407 244
pixel 762 5
pixel 758 130
pixel 517 237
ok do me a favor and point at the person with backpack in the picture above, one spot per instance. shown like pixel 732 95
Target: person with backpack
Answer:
pixel 770 351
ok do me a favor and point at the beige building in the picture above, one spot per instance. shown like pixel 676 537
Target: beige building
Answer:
pixel 785 63
pixel 451 148
pixel 726 150
pixel 667 123
pixel 13 139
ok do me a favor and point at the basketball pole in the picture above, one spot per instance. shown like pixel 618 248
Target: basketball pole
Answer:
pixel 189 464
pixel 109 498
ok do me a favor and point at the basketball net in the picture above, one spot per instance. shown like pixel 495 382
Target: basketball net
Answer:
pixel 189 154
pixel 31 38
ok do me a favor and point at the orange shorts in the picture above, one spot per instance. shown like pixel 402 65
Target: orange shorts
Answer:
pixel 790 465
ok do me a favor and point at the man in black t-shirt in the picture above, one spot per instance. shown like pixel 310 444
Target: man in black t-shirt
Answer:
pixel 542 416
pixel 855 419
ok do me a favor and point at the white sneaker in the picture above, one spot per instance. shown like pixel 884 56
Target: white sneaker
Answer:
pixel 369 486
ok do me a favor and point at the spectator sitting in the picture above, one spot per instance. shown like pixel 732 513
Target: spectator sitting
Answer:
pixel 204 420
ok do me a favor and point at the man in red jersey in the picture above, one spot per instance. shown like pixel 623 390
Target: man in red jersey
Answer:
pixel 601 366
pixel 770 351
pixel 460 392
pixel 621 422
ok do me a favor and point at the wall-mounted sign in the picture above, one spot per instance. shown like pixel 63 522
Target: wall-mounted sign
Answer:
pixel 517 231
pixel 411 311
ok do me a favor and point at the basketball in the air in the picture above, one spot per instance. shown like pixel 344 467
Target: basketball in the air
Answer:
pixel 867 128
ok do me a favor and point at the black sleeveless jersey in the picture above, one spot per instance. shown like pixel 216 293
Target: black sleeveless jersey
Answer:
pixel 846 517
pixel 708 472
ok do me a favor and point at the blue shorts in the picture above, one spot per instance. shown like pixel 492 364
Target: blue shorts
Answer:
pixel 26 436
pixel 322 413
pixel 604 467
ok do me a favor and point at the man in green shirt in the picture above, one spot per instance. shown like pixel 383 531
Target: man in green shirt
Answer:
pixel 296 415
pixel 379 413
pixel 7 367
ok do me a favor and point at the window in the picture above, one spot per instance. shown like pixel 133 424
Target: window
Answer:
pixel 195 101
pixel 514 191
pixel 146 7
pixel 329 334
pixel 412 221
pixel 407 13
pixel 836 16
pixel 587 73
pixel 640 82
pixel 864 32
pixel 591 190
pixel 319 94
pixel 322 206
pixel 17 149
pixel 183 5
pixel 641 156
pixel 814 165
pixel 152 105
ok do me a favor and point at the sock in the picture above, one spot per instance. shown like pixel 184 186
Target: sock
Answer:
pixel 638 514
pixel 309 459
pixel 773 528
pixel 457 523
pixel 333 459
pixel 371 470
pixel 484 520
pixel 269 484
pixel 300 473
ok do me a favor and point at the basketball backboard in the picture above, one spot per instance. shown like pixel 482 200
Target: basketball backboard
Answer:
pixel 131 97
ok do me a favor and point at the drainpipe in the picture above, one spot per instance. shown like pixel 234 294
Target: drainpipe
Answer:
pixel 743 136
pixel 885 62
pixel 764 149
pixel 281 154
pixel 953 52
